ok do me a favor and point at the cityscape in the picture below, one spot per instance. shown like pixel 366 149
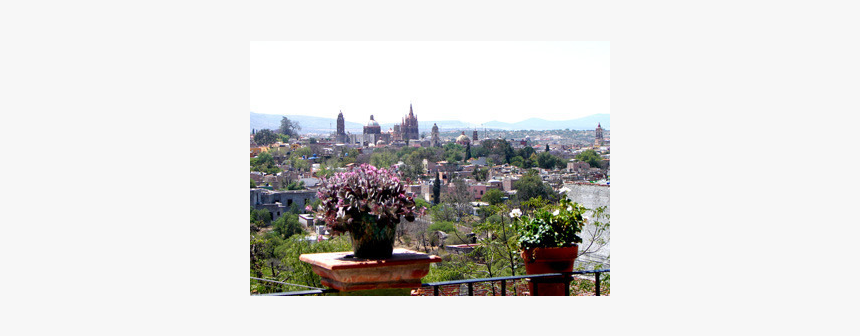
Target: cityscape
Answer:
pixel 456 178
pixel 430 169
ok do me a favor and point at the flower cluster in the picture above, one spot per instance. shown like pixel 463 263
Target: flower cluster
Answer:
pixel 552 226
pixel 364 196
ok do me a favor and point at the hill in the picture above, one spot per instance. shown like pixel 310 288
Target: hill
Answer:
pixel 584 123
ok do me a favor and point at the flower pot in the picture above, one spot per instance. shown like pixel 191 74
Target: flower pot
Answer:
pixel 373 241
pixel 544 260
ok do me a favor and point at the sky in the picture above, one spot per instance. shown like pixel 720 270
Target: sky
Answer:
pixel 473 82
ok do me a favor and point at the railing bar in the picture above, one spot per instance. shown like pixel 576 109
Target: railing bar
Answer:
pixel 456 282
pixel 308 292
pixel 285 283
pixel 436 285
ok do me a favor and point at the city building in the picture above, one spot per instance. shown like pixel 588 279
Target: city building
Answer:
pixel 463 139
pixel 598 136
pixel 409 127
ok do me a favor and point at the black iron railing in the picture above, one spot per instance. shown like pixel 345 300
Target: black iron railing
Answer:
pixel 564 277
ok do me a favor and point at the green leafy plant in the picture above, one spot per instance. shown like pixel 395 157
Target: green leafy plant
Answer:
pixel 552 226
pixel 365 196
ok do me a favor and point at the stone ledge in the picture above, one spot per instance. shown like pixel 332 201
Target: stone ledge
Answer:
pixel 340 271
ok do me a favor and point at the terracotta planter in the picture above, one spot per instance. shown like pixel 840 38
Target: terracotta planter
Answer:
pixel 549 260
pixel 372 241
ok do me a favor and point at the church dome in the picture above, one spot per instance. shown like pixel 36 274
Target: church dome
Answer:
pixel 372 122
pixel 462 139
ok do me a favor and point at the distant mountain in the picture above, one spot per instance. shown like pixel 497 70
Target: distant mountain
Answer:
pixel 311 124
pixel 584 123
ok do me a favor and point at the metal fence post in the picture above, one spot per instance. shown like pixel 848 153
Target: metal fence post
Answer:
pixel 597 283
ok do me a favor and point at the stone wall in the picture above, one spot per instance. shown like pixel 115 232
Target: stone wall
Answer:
pixel 591 196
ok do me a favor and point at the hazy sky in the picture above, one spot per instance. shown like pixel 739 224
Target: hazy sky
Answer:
pixel 468 81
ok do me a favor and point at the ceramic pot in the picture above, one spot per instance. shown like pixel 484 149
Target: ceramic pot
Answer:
pixel 373 241
pixel 544 260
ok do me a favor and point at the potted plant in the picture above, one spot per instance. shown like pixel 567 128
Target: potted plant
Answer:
pixel 367 202
pixel 548 240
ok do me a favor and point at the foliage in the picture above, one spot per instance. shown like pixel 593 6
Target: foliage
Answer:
pixel 296 185
pixel 552 226
pixel 546 160
pixel 287 225
pixel 500 250
pixel 364 196
pixel 493 196
pixel 591 157
pixel 261 215
pixel 443 212
pixel 420 203
pixel 446 227
pixel 480 174
pixel 531 186
pixel 437 188
pixel 518 161
pixel 383 158
pixel 289 127
pixel 264 162
pixel 265 137
pixel 452 267
pixel 253 184
pixel 526 152
pixel 498 147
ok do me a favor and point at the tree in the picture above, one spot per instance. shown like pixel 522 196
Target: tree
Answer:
pixel 480 174
pixel 383 159
pixel 437 189
pixel 296 185
pixel 253 185
pixel 547 148
pixel 546 160
pixel 591 157
pixel 526 152
pixel 500 250
pixel 468 152
pixel 459 197
pixel 264 163
pixel 289 127
pixel 531 186
pixel 265 137
pixel 493 196
pixel 518 161
pixel 287 225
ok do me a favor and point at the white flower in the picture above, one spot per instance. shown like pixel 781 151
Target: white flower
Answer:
pixel 555 213
pixel 516 213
